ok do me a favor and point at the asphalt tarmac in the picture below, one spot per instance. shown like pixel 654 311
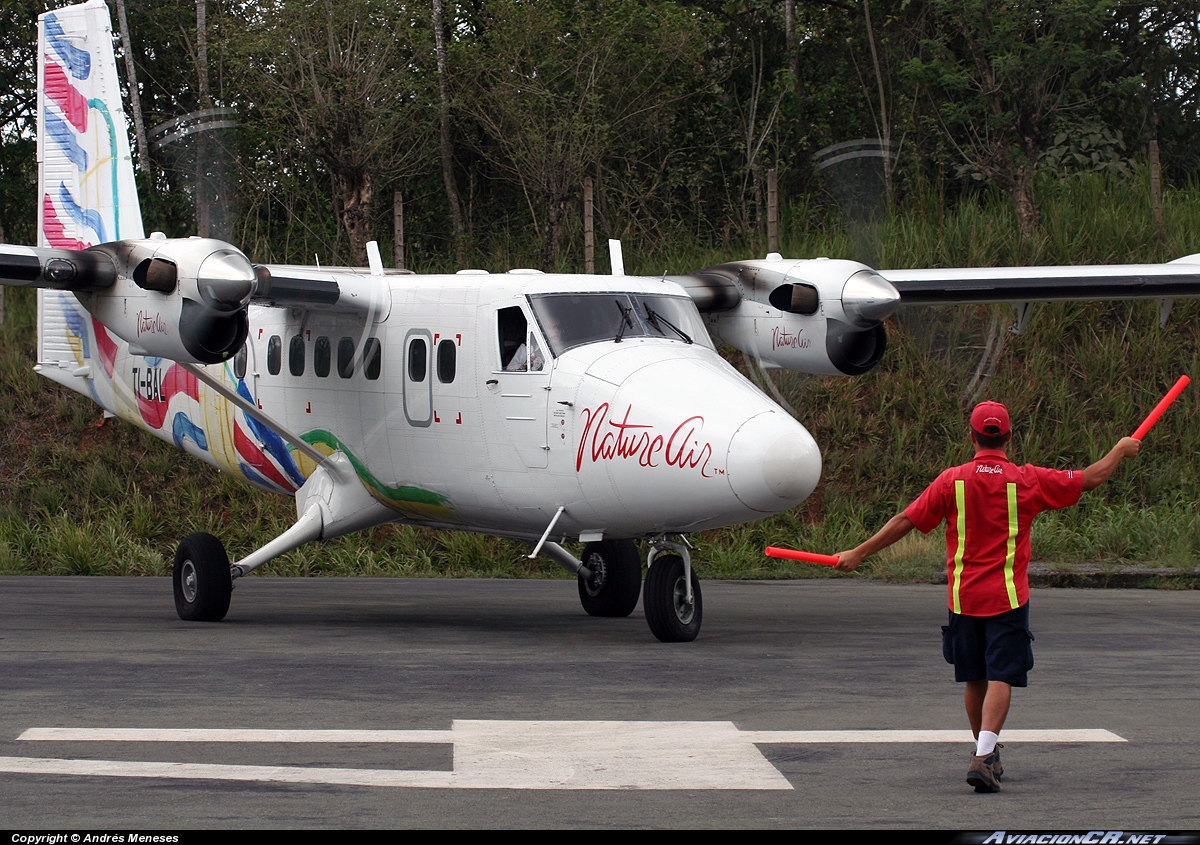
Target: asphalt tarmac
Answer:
pixel 363 703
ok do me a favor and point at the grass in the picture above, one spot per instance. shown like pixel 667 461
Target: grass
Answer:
pixel 82 499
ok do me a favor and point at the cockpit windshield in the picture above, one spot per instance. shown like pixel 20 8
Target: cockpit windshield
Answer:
pixel 574 319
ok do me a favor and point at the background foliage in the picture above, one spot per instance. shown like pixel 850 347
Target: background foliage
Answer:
pixel 1019 135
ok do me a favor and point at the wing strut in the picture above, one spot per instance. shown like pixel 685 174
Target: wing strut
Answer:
pixel 254 411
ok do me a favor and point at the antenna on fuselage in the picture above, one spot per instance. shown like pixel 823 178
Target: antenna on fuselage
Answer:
pixel 615 258
pixel 374 259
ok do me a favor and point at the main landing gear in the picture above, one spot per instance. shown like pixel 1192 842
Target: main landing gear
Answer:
pixel 615 582
pixel 202 579
pixel 331 502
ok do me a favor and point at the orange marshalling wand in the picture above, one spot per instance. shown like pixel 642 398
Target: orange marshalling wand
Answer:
pixel 807 557
pixel 1171 396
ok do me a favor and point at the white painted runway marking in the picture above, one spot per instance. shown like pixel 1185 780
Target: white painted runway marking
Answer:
pixel 790 737
pixel 230 735
pixel 512 754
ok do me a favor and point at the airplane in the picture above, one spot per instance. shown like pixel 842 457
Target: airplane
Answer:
pixel 546 408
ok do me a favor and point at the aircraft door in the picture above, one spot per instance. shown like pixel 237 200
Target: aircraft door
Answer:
pixel 521 385
pixel 418 378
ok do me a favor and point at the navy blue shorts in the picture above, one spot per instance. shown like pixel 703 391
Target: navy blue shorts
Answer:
pixel 993 648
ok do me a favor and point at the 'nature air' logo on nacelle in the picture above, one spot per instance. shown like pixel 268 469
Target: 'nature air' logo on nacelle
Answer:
pixel 150 325
pixel 781 338
pixel 607 439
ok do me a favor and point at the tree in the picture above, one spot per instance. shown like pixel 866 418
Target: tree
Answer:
pixel 346 80
pixel 18 103
pixel 559 87
pixel 1003 73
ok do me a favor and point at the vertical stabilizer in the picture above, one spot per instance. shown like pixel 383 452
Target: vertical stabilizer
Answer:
pixel 86 190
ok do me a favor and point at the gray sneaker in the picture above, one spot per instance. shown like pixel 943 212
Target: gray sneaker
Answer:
pixel 997 769
pixel 981 774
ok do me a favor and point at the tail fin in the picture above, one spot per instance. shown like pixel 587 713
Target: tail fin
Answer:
pixel 86 187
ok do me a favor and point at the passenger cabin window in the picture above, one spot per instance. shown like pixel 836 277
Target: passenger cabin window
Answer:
pixel 346 357
pixel 239 361
pixel 418 357
pixel 296 356
pixel 322 357
pixel 447 361
pixel 372 358
pixel 274 354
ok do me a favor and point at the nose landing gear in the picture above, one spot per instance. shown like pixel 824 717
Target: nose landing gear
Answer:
pixel 671 598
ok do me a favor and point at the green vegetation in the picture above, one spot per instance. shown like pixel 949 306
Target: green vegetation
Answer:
pixel 85 500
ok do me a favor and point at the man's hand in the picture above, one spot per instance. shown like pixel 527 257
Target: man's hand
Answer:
pixel 897 527
pixel 1128 447
pixel 849 561
pixel 1098 473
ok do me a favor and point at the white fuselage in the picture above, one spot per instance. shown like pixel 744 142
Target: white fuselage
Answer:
pixel 475 402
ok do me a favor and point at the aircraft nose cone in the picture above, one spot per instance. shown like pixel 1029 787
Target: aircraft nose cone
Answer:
pixel 773 463
pixel 868 298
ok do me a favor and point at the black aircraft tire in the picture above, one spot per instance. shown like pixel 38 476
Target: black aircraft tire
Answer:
pixel 203 584
pixel 670 617
pixel 616 580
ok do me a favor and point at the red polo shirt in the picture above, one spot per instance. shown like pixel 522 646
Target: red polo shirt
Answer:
pixel 988 505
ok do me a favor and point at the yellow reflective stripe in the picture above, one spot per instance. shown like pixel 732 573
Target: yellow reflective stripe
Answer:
pixel 1011 558
pixel 960 502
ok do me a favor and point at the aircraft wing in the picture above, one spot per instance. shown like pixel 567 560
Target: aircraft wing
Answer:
pixel 1175 280
pixel 157 264
pixel 344 289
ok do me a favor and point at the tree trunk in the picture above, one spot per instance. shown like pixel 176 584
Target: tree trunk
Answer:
pixel 203 189
pixel 447 152
pixel 1156 190
pixel 885 127
pixel 135 99
pixel 398 228
pixel 1024 202
pixel 356 191
pixel 589 232
pixel 772 210
pixel 789 34
pixel 556 207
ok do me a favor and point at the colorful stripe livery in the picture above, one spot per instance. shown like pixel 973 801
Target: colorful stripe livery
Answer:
pixel 85 177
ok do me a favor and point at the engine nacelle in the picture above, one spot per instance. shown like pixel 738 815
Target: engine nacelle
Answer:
pixel 184 299
pixel 820 316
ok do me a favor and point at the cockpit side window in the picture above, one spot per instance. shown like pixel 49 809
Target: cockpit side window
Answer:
pixel 513 333
pixel 536 360
pixel 568 320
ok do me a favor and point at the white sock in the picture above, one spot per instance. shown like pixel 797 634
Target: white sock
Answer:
pixel 986 743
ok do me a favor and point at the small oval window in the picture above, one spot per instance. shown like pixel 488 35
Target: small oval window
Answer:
pixel 447 361
pixel 417 359
pixel 346 357
pixel 322 357
pixel 372 358
pixel 296 356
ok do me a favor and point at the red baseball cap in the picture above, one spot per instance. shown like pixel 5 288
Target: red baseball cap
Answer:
pixel 990 419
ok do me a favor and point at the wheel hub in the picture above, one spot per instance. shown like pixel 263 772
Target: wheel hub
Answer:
pixel 188 581
pixel 595 584
pixel 684 609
